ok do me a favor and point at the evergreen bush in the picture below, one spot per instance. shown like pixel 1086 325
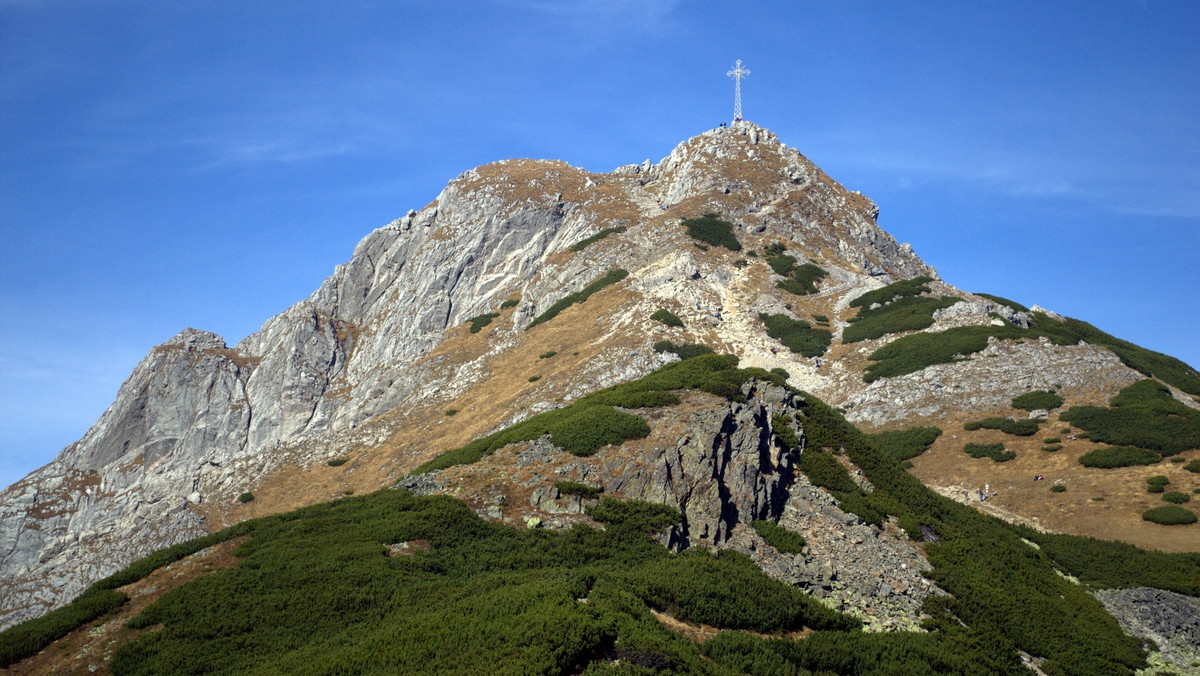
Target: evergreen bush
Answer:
pixel 1020 428
pixel 796 334
pixel 782 539
pixel 1176 497
pixel 666 317
pixel 711 229
pixel 1040 399
pixel 585 243
pixel 337 462
pixel 612 277
pixel 905 444
pixel 994 451
pixel 245 497
pixel 1118 456
pixel 1169 515
pixel 480 321
pixel 1058 488
pixel 576 488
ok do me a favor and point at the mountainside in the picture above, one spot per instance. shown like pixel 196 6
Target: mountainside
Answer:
pixel 527 285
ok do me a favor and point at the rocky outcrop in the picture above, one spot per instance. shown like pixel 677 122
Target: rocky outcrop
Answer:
pixel 1170 620
pixel 724 469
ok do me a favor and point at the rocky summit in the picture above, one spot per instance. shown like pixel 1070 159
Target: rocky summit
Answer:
pixel 526 285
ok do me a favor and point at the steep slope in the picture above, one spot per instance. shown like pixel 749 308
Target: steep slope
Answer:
pixel 363 373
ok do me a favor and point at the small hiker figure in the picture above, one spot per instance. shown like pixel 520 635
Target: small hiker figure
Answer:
pixel 981 496
pixel 660 205
pixel 987 491
pixel 774 351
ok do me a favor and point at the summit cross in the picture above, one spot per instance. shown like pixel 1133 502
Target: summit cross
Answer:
pixel 737 74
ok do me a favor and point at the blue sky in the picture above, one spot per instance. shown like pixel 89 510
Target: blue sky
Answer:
pixel 206 164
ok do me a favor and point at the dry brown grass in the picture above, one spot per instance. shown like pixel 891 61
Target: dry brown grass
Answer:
pixel 87 649
pixel 1116 517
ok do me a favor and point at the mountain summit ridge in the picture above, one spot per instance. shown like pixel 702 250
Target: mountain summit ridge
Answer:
pixel 365 365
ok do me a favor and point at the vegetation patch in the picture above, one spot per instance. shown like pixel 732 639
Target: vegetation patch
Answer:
pixel 1058 488
pixel 909 313
pixel 1118 456
pixel 905 444
pixel 909 354
pixel 534 379
pixel 245 497
pixel 1105 563
pixel 1144 415
pixel 782 539
pixel 1052 448
pixel 573 428
pixel 801 279
pixel 781 372
pixel 711 229
pixel 684 351
pixel 1039 399
pixel 30 637
pixel 1193 466
pixel 1004 301
pixel 338 462
pixel 577 488
pixel 547 355
pixel 580 296
pixel 666 317
pixel 902 289
pixel 479 322
pixel 511 302
pixel 796 334
pixel 1169 515
pixel 994 451
pixel 1018 428
pixel 585 243
pixel 1176 497
pixel 451 411
pixel 784 433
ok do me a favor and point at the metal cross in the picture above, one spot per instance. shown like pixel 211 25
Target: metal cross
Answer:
pixel 737 74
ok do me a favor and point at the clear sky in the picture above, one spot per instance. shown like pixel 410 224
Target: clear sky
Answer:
pixel 206 164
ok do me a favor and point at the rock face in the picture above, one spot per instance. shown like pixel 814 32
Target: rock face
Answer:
pixel 724 470
pixel 198 422
pixel 1170 620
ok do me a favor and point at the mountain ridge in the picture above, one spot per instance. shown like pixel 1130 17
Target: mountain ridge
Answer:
pixel 377 353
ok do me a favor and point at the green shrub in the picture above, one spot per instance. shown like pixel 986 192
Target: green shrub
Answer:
pixel 30 637
pixel 547 355
pixel 803 279
pixel 1051 440
pixel 1052 448
pixel 576 488
pixel 1155 488
pixel 1178 461
pixel 782 539
pixel 1020 428
pixel 796 334
pixel 1169 515
pixel 1193 466
pixel 479 322
pixel 612 277
pixel 534 379
pixel 903 314
pixel 666 317
pixel 774 249
pixel 825 471
pixel 1143 414
pixel 711 229
pixel 782 373
pixel 585 243
pixel 245 497
pixel 1176 497
pixel 511 302
pixel 1004 301
pixel 1040 399
pixel 902 289
pixel 684 351
pixel 1118 456
pixel 1058 488
pixel 781 264
pixel 784 433
pixel 337 462
pixel 905 444
pixel 994 451
pixel 915 352
pixel 451 411
pixel 1159 479
pixel 821 319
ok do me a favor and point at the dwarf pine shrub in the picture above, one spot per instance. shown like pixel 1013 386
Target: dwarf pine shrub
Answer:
pixel 480 321
pixel 1169 515
pixel 1039 399
pixel 711 229
pixel 1119 456
pixel 782 539
pixel 666 317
